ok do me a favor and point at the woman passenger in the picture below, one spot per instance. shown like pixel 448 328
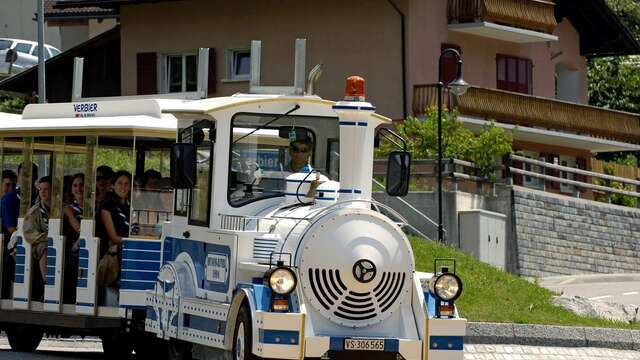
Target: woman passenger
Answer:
pixel 71 231
pixel 114 219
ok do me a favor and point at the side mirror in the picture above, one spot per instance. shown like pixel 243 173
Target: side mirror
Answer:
pixel 183 165
pixel 398 173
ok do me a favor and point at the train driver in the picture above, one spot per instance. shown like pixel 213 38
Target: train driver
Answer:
pixel 300 155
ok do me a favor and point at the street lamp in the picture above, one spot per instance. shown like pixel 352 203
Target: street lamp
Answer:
pixel 457 87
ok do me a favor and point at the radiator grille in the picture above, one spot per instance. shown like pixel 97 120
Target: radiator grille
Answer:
pixel 333 295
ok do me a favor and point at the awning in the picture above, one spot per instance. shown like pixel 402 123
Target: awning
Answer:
pixel 553 137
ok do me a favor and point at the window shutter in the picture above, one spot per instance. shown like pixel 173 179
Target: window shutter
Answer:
pixel 212 82
pixel 581 163
pixel 514 74
pixel 147 73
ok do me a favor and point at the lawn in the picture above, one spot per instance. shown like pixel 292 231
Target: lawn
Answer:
pixel 493 295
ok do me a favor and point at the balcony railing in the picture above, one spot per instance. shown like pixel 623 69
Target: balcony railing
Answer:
pixel 532 111
pixel 534 15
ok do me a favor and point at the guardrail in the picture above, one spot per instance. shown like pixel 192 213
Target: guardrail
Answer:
pixel 607 189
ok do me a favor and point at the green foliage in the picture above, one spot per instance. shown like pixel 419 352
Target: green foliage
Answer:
pixel 618 199
pixel 484 149
pixel 493 295
pixel 12 104
pixel 614 81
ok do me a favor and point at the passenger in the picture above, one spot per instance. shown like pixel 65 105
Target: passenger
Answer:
pixel 114 224
pixel 10 205
pixel 9 181
pixel 36 228
pixel 151 205
pixel 71 230
pixel 104 175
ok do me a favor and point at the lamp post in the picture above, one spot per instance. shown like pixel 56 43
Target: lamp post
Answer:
pixel 457 87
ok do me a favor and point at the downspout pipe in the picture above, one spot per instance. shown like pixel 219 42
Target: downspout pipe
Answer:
pixel 403 49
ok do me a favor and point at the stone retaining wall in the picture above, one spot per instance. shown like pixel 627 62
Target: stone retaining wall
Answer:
pixel 560 235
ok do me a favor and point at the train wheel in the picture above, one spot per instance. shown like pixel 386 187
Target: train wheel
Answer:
pixel 116 346
pixel 179 350
pixel 24 338
pixel 242 342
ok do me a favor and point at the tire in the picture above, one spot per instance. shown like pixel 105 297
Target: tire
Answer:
pixel 116 346
pixel 242 342
pixel 178 350
pixel 24 338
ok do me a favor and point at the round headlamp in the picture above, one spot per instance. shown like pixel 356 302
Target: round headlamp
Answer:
pixel 281 280
pixel 446 287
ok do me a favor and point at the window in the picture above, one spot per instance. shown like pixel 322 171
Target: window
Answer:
pixel 262 154
pixel 181 73
pixel 54 51
pixel 514 74
pixel 23 48
pixel 449 63
pixel 238 64
pixel 5 44
pixel 47 54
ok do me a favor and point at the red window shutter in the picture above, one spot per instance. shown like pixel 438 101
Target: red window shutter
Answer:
pixel 514 74
pixel 581 163
pixel 147 73
pixel 212 82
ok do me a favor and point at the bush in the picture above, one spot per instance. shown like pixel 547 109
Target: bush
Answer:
pixel 12 104
pixel 484 149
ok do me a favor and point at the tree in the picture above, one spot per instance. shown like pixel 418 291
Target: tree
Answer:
pixel 484 149
pixel 614 81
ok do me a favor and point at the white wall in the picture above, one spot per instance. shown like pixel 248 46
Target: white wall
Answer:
pixel 17 21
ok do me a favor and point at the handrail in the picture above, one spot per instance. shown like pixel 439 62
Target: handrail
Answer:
pixel 574 170
pixel 573 182
pixel 408 204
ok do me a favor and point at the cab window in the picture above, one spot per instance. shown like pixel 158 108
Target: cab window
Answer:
pixel 265 151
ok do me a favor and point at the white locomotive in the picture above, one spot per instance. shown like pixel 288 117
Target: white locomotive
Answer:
pixel 282 273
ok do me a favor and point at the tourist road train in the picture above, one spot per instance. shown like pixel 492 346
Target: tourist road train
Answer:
pixel 233 251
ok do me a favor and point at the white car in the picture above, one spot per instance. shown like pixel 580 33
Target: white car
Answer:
pixel 27 55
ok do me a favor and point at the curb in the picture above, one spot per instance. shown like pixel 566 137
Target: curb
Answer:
pixel 551 335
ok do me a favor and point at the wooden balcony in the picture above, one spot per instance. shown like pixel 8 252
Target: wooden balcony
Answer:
pixel 534 15
pixel 532 111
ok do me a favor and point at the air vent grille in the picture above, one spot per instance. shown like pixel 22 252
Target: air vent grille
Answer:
pixel 333 295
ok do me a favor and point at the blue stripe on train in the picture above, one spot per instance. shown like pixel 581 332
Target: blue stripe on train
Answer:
pixel 142 245
pixel 446 343
pixel 280 337
pixel 136 285
pixel 83 263
pixel 139 275
pixel 140 265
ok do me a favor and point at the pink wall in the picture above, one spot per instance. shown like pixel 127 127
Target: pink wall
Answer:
pixel 350 37
pixel 428 29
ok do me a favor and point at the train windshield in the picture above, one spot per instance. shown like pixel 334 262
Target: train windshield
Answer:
pixel 266 149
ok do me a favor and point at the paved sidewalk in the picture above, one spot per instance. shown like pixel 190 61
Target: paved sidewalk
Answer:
pixel 521 352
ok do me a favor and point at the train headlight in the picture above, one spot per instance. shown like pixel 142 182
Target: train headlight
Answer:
pixel 447 286
pixel 281 280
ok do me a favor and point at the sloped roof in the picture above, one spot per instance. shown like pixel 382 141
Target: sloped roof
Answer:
pixel 601 31
pixel 53 12
pixel 100 3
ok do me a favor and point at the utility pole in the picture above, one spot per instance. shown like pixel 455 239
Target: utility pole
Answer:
pixel 42 94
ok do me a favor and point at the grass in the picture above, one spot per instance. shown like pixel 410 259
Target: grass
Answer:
pixel 493 295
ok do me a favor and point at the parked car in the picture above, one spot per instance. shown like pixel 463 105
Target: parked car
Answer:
pixel 27 52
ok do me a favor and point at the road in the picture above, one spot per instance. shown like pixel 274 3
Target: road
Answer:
pixel 62 350
pixel 615 288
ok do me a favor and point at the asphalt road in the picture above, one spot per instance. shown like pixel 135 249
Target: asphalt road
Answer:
pixel 616 288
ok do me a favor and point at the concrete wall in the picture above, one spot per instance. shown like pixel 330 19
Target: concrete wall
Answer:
pixel 350 37
pixel 559 235
pixel 17 21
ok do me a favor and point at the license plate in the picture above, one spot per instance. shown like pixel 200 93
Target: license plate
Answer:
pixel 364 344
